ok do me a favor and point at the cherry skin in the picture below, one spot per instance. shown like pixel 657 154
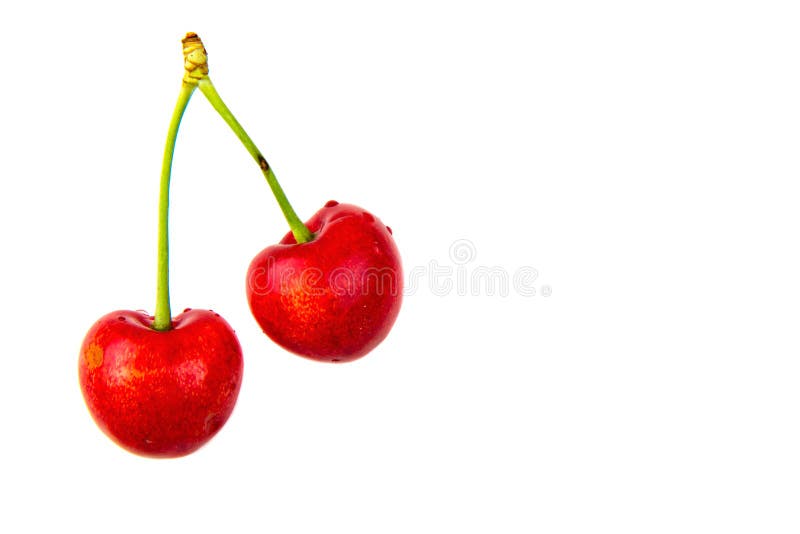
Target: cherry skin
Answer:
pixel 160 393
pixel 334 298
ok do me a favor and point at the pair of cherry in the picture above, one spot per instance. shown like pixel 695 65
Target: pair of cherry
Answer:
pixel 330 290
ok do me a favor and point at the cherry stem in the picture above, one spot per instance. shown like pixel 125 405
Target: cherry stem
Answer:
pixel 300 231
pixel 194 67
pixel 163 316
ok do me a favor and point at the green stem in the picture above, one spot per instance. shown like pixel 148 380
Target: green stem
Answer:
pixel 163 316
pixel 300 231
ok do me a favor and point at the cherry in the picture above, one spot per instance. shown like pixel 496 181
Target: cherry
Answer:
pixel 331 289
pixel 160 386
pixel 160 393
pixel 332 298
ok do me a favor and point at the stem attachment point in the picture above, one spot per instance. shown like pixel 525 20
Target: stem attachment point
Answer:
pixel 195 59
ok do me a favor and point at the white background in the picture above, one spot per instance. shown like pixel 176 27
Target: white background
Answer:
pixel 642 156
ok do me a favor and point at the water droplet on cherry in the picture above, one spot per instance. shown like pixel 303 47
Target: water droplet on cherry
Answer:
pixel 121 318
pixel 368 217
pixel 389 229
pixel 331 203
pixel 187 310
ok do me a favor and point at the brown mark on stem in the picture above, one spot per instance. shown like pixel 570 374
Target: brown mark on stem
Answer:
pixel 263 163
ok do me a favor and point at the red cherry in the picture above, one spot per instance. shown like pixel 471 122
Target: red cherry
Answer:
pixel 160 393
pixel 334 298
